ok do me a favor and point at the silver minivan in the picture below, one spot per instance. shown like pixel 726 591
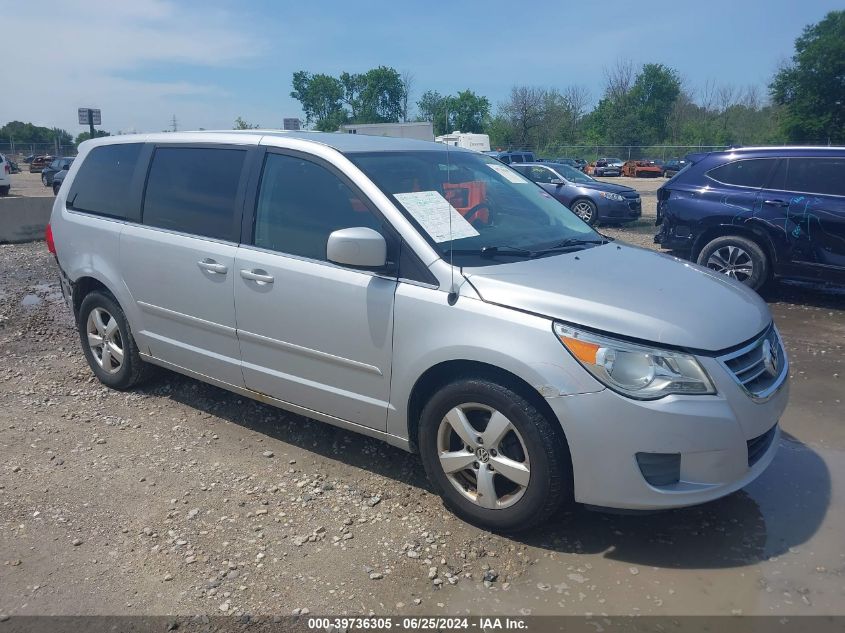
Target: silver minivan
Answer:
pixel 428 296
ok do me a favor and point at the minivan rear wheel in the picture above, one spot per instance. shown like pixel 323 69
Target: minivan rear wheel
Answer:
pixel 738 257
pixel 108 344
pixel 493 457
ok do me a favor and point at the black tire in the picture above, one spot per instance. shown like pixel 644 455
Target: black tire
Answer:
pixel 4 191
pixel 132 370
pixel 56 187
pixel 746 254
pixel 550 480
pixel 587 210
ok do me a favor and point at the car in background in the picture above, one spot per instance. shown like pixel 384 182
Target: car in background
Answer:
pixel 640 169
pixel 512 156
pixel 58 179
pixel 560 161
pixel 759 213
pixel 593 201
pixel 578 163
pixel 603 167
pixel 13 166
pixel 55 166
pixel 5 176
pixel 29 159
pixel 38 163
pixel 673 166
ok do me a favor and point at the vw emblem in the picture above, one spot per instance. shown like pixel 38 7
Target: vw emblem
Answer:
pixel 770 357
pixel 482 455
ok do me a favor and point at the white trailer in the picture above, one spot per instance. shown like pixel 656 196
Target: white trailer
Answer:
pixel 478 142
pixel 420 130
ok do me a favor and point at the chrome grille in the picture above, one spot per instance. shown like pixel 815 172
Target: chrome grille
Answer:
pixel 761 366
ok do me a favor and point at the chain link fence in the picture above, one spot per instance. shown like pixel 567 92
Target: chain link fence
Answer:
pixel 625 152
pixel 18 151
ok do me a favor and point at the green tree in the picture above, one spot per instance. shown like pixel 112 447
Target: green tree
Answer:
pixel 21 132
pixel 652 98
pixel 466 111
pixel 240 124
pixel 375 96
pixel 433 107
pixel 635 114
pixel 84 136
pixel 320 96
pixel 812 88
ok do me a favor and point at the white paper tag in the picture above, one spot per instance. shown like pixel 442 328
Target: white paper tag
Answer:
pixel 508 173
pixel 433 211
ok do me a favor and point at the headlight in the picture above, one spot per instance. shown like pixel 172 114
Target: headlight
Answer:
pixel 637 371
pixel 611 196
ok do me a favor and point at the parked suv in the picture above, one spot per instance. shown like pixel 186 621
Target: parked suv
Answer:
pixel 428 296
pixel 758 213
pixel 592 200
pixel 512 156
pixel 5 176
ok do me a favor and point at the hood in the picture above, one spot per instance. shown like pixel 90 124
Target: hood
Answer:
pixel 602 186
pixel 632 292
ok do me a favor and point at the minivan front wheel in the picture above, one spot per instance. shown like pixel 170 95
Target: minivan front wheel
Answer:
pixel 737 257
pixel 108 344
pixel 493 457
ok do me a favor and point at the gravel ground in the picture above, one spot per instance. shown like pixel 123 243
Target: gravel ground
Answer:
pixel 28 185
pixel 642 231
pixel 181 498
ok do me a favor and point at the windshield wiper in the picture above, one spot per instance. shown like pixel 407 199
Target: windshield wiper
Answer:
pixel 492 251
pixel 569 243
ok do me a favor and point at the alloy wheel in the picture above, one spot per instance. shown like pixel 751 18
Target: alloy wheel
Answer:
pixel 732 261
pixel 484 456
pixel 104 340
pixel 583 210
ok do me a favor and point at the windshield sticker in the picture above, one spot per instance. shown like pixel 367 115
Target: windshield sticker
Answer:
pixel 508 173
pixel 433 212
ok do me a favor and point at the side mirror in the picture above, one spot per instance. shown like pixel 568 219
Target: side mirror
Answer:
pixel 557 181
pixel 65 167
pixel 358 246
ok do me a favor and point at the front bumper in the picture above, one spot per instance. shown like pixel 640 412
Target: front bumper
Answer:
pixel 713 435
pixel 628 210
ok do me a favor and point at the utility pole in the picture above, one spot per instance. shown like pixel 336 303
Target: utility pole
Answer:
pixel 91 122
pixel 173 123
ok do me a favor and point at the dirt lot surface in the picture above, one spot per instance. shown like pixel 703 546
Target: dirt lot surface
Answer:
pixel 28 185
pixel 181 498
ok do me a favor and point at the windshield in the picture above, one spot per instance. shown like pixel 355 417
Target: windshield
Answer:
pixel 573 175
pixel 469 202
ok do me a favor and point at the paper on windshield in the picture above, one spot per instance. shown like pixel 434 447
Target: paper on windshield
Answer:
pixel 433 212
pixel 508 173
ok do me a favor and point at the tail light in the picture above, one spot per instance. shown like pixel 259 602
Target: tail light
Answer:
pixel 48 235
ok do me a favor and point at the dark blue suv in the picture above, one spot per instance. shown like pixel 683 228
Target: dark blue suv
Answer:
pixel 756 213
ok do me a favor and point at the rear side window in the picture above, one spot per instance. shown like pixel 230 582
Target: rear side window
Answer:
pixel 102 184
pixel 194 190
pixel 821 175
pixel 752 172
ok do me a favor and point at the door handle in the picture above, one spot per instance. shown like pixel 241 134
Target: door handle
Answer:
pixel 776 203
pixel 258 275
pixel 212 266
